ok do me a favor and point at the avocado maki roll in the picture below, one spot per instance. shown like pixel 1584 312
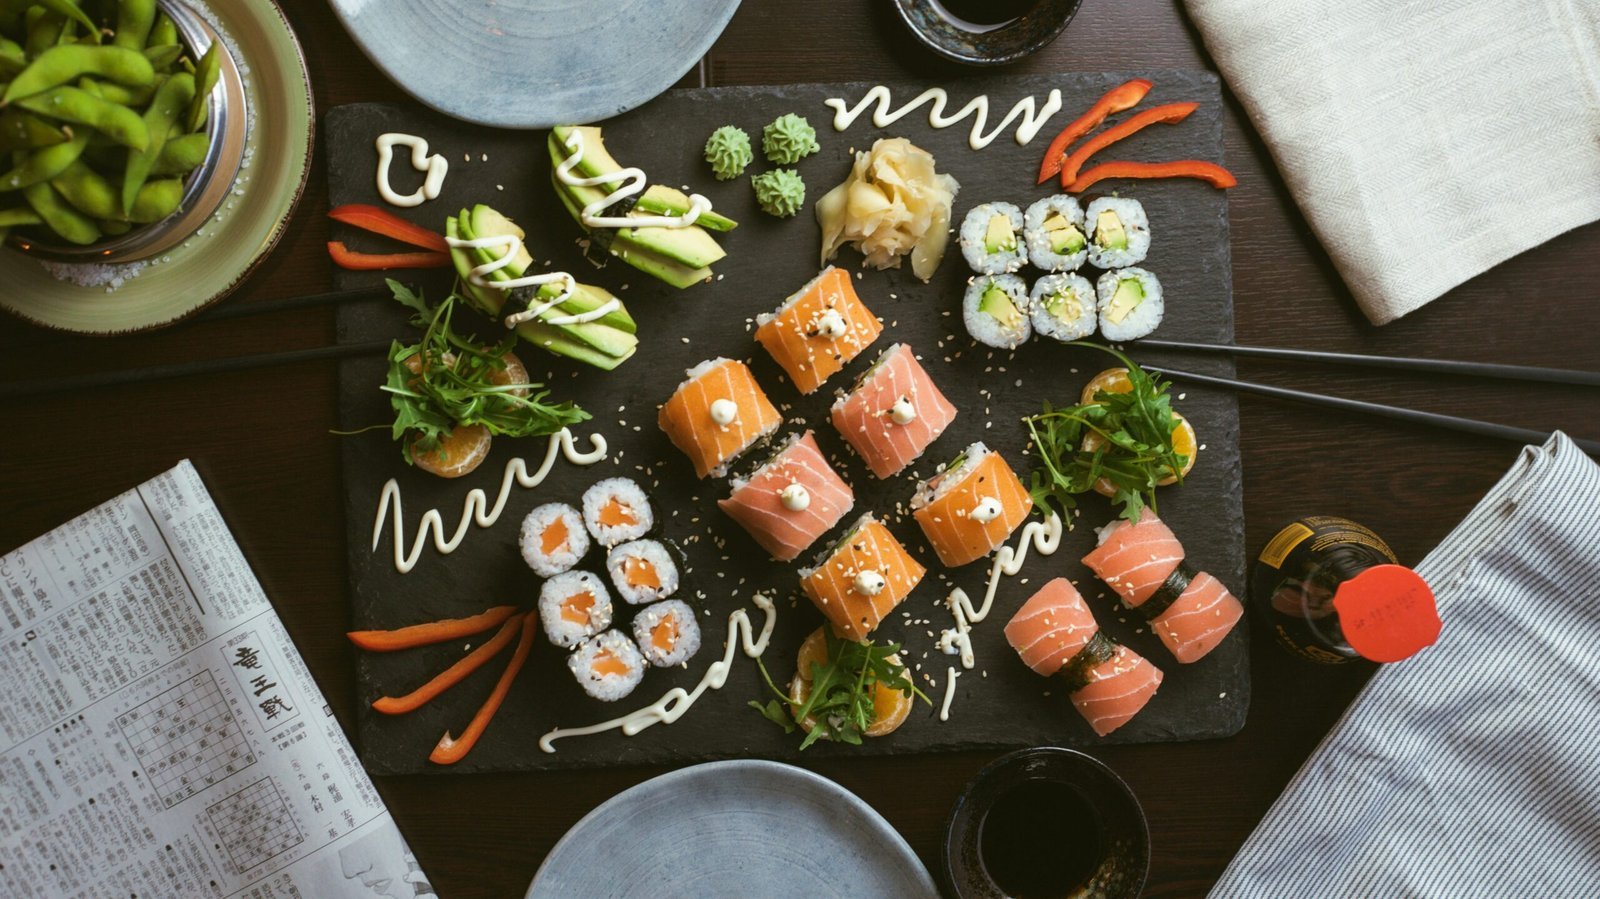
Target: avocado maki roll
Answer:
pixel 1063 307
pixel 1131 305
pixel 1119 232
pixel 995 311
pixel 991 239
pixel 1054 231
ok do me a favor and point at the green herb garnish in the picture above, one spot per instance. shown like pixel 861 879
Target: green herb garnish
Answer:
pixel 453 383
pixel 840 700
pixel 1134 451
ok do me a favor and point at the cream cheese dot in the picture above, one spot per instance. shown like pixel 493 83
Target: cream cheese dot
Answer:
pixel 724 412
pixel 903 412
pixel 795 498
pixel 987 510
pixel 869 583
pixel 831 325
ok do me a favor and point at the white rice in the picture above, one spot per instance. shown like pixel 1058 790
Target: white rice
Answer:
pixel 984 327
pixel 951 477
pixel 1144 317
pixel 607 687
pixel 1064 307
pixel 629 494
pixel 659 557
pixel 1040 252
pixel 688 642
pixel 531 540
pixel 565 633
pixel 764 317
pixel 1134 223
pixel 974 248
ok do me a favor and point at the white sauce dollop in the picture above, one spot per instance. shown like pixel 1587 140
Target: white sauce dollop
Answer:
pixel 1032 119
pixel 513 245
pixel 434 168
pixel 903 412
pixel 987 510
pixel 633 182
pixel 724 411
pixel 831 325
pixel 795 497
pixel 1044 536
pixel 869 583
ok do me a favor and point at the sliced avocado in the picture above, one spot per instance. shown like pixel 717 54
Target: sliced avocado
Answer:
pixel 1108 231
pixel 1065 306
pixel 487 222
pixel 597 163
pixel 1065 238
pixel 642 258
pixel 999 236
pixel 996 303
pixel 1130 293
pixel 659 199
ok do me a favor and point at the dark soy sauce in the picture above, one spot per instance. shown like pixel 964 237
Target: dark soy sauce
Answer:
pixel 1040 840
pixel 982 12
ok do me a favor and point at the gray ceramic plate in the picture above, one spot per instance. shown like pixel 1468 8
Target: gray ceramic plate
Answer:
pixel 740 828
pixel 534 63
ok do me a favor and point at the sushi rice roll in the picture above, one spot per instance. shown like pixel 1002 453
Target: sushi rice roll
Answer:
pixel 573 607
pixel 1063 307
pixel 819 329
pixel 791 499
pixel 617 510
pixel 996 311
pixel 894 412
pixel 1119 232
pixel 553 539
pixel 716 414
pixel 1053 228
pixel 608 666
pixel 972 506
pixel 643 571
pixel 1131 305
pixel 859 580
pixel 667 633
pixel 991 239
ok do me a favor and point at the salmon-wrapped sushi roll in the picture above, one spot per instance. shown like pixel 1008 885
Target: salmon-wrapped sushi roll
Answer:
pixel 1055 634
pixel 790 500
pixel 972 506
pixel 894 413
pixel 818 329
pixel 716 414
pixel 861 579
pixel 1135 559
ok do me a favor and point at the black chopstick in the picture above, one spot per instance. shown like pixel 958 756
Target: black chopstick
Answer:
pixel 225 311
pixel 187 369
pixel 1394 363
pixel 1397 413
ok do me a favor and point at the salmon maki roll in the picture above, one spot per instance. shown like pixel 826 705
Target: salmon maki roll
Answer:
pixel 861 579
pixel 1051 627
pixel 818 329
pixel 1194 623
pixel 1135 559
pixel 716 414
pixel 1115 690
pixel 972 506
pixel 790 500
pixel 894 413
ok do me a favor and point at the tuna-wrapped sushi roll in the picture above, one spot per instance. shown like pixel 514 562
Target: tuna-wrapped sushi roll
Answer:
pixel 860 579
pixel 818 329
pixel 1119 232
pixel 1131 304
pixel 1057 636
pixel 1063 307
pixel 790 500
pixel 608 666
pixel 972 506
pixel 894 413
pixel 643 571
pixel 716 414
pixel 617 510
pixel 573 607
pixel 667 633
pixel 991 239
pixel 553 539
pixel 1053 228
pixel 995 311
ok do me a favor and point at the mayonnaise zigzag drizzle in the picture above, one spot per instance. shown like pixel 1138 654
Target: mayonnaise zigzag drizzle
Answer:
pixel 475 508
pixel 676 702
pixel 633 181
pixel 513 245
pixel 1033 117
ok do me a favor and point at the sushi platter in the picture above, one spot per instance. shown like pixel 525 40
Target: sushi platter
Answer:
pixel 711 329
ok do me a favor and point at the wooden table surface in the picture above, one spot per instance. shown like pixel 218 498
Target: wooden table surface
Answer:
pixel 260 439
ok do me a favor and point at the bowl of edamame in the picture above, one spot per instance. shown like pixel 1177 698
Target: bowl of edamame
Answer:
pixel 125 124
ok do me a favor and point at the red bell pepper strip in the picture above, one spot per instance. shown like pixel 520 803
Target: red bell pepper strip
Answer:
pixel 444 680
pixel 450 749
pixel 1168 113
pixel 1123 96
pixel 344 257
pixel 431 632
pixel 1209 172
pixel 370 218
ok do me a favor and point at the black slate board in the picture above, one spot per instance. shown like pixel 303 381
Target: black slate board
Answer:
pixel 1004 706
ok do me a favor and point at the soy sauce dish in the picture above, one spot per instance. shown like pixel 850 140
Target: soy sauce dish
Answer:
pixel 986 32
pixel 1046 822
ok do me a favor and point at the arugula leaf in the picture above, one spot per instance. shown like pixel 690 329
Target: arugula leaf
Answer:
pixel 839 700
pixel 410 300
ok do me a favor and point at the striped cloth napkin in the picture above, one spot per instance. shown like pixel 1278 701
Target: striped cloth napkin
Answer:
pixel 1472 768
pixel 1424 140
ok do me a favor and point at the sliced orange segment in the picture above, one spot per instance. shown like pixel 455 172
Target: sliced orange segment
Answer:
pixel 1184 442
pixel 458 452
pixel 1112 380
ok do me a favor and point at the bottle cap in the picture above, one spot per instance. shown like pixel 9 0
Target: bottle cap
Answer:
pixel 1387 613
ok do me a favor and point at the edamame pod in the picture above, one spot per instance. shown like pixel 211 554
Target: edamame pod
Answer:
pixel 71 104
pixel 182 155
pixel 137 97
pixel 170 102
pixel 62 65
pixel 25 131
pixel 68 224
pixel 206 73
pixel 164 31
pixel 43 32
pixel 156 201
pixel 115 229
pixel 69 10
pixel 12 59
pixel 134 19
pixel 18 216
pixel 42 165
pixel 162 56
pixel 88 192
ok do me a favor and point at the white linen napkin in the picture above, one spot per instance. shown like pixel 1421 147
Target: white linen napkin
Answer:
pixel 1472 768
pixel 1425 140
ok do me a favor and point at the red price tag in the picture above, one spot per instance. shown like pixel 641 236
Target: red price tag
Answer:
pixel 1387 613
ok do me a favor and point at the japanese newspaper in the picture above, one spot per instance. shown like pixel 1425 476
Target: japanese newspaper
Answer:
pixel 159 734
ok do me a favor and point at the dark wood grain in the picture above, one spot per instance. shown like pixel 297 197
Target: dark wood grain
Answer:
pixel 261 441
